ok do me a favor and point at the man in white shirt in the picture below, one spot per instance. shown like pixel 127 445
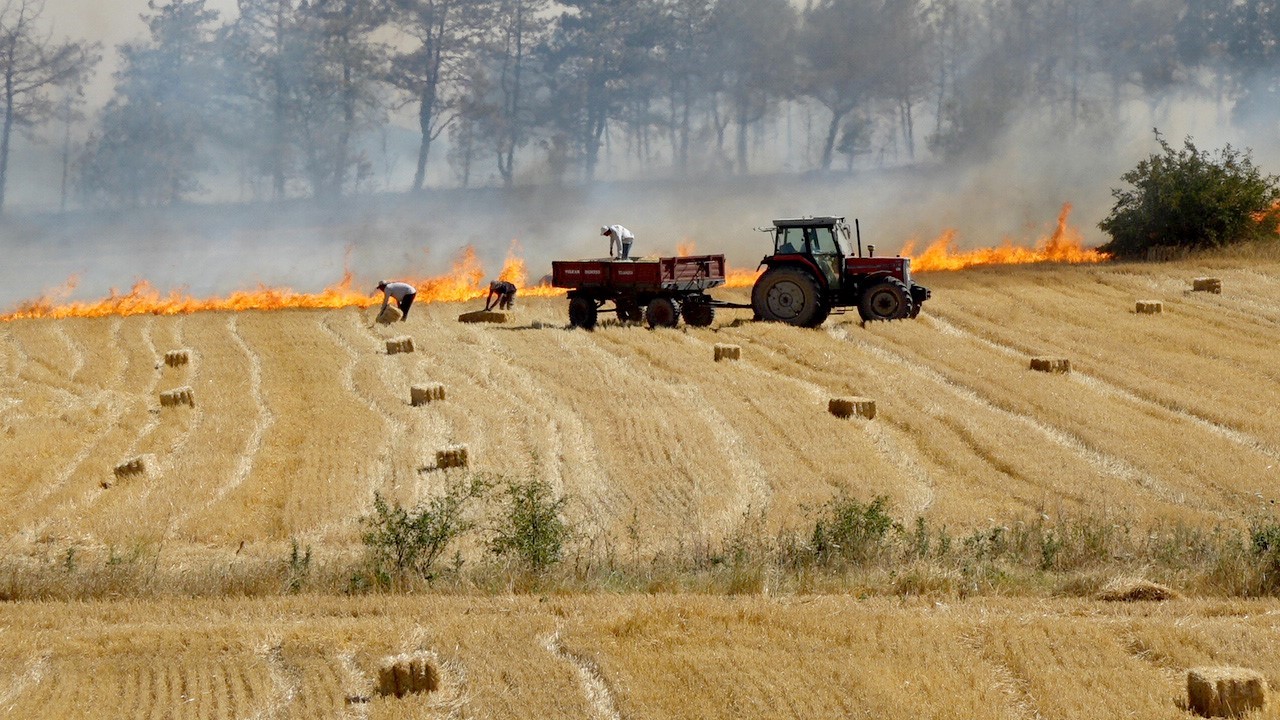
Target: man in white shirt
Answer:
pixel 621 237
pixel 404 293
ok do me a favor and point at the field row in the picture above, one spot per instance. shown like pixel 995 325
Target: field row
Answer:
pixel 301 416
pixel 636 657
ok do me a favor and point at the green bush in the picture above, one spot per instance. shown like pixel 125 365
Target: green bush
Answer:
pixel 850 531
pixel 532 530
pixel 403 541
pixel 1191 198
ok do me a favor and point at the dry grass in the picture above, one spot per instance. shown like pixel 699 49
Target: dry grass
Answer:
pixel 635 656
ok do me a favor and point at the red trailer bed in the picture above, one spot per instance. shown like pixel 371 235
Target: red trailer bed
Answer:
pixel 653 274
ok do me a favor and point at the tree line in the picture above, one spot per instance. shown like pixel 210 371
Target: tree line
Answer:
pixel 287 97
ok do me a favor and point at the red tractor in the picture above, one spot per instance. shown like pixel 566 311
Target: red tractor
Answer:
pixel 813 272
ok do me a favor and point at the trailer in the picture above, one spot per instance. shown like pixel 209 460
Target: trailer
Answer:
pixel 659 290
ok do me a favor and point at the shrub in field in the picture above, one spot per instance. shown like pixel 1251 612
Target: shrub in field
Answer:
pixel 297 568
pixel 411 541
pixel 850 531
pixel 531 529
pixel 1192 198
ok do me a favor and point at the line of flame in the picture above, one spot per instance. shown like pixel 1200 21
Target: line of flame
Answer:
pixel 1065 245
pixel 464 281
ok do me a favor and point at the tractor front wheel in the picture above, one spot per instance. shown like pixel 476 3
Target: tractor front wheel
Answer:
pixel 583 313
pixel 662 312
pixel 886 300
pixel 788 295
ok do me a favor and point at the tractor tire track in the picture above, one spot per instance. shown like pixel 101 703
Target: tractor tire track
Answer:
pixel 395 428
pixel 1106 387
pixel 285 681
pixel 891 444
pixel 356 687
pixel 266 418
pixel 594 688
pixel 32 677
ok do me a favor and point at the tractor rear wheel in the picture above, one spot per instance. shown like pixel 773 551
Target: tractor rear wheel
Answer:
pixel 582 313
pixel 662 312
pixel 788 295
pixel 698 314
pixel 886 300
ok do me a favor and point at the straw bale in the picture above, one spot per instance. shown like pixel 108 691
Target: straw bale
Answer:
pixel 483 316
pixel 1136 590
pixel 176 358
pixel 728 352
pixel 1149 307
pixel 1051 365
pixel 1225 691
pixel 844 407
pixel 1207 284
pixel 178 396
pixel 402 344
pixel 452 456
pixel 389 314
pixel 423 394
pixel 131 468
pixel 406 674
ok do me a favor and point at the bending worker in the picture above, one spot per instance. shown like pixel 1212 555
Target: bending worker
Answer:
pixel 404 293
pixel 506 295
pixel 621 237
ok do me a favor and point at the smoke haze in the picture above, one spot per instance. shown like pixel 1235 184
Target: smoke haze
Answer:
pixel 1014 191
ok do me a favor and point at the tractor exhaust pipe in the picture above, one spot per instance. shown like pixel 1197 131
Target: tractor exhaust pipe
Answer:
pixel 858 230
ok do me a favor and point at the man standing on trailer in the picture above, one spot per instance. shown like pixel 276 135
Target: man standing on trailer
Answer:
pixel 404 293
pixel 621 237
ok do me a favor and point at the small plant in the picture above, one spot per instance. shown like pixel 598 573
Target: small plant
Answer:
pixel 297 568
pixel 411 541
pixel 532 530
pixel 851 531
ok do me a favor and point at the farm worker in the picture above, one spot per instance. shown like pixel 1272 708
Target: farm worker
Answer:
pixel 505 292
pixel 404 293
pixel 620 236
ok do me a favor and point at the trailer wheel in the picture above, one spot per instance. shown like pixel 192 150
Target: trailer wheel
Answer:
pixel 630 312
pixel 662 312
pixel 582 313
pixel 788 295
pixel 698 314
pixel 887 300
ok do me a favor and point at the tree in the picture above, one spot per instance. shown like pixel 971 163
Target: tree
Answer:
pixel 522 27
pixel 1192 198
pixel 149 146
pixel 753 61
pixel 31 66
pixel 432 73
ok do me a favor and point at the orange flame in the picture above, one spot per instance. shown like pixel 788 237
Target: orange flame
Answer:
pixel 1065 245
pixel 464 281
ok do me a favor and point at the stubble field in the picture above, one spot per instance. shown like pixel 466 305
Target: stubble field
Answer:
pixel 300 417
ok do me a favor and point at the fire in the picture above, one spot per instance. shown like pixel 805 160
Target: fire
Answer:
pixel 1065 245
pixel 733 278
pixel 464 281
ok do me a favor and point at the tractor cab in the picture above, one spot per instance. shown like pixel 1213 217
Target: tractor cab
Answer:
pixel 814 270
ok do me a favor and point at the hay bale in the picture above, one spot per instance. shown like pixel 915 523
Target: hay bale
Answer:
pixel 451 457
pixel 728 352
pixel 178 396
pixel 131 468
pixel 1207 284
pixel 483 316
pixel 402 344
pixel 389 314
pixel 1225 691
pixel 406 674
pixel 177 358
pixel 1051 365
pixel 845 407
pixel 423 394
pixel 1149 307
pixel 1136 590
